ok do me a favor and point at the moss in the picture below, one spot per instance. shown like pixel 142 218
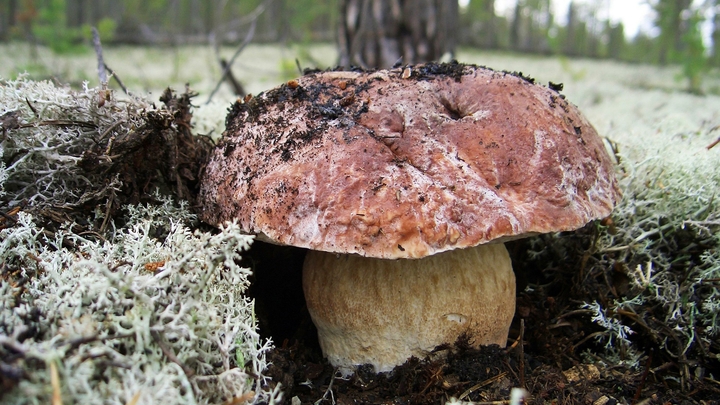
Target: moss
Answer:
pixel 107 314
pixel 125 303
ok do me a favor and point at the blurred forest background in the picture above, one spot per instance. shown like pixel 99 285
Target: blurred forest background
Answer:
pixel 531 27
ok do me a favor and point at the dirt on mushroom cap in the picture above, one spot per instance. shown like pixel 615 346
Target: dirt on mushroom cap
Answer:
pixel 402 164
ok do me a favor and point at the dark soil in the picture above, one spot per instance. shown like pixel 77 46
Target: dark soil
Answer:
pixel 557 341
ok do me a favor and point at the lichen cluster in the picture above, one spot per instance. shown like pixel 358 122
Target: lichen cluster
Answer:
pixel 143 311
pixel 651 268
pixel 666 234
pixel 665 239
pixel 45 131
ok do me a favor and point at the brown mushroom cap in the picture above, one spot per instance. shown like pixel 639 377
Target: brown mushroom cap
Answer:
pixel 408 162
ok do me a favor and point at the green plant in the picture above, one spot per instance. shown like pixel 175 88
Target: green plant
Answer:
pixel 50 28
pixel 693 59
pixel 106 29
pixel 288 69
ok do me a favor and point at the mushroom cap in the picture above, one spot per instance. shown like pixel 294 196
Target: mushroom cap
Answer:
pixel 408 162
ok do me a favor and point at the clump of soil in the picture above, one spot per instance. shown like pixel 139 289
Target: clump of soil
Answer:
pixel 123 153
pixel 162 153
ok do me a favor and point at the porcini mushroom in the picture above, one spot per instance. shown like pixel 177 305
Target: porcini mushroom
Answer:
pixel 403 184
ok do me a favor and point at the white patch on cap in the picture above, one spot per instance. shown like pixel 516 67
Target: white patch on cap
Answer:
pixel 459 318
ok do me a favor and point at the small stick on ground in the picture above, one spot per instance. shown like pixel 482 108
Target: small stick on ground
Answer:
pixel 712 145
pixel 108 208
pixel 103 68
pixel 585 339
pixel 9 215
pixel 55 382
pixel 638 391
pixel 715 142
pixel 236 85
pixel 246 41
pixel 482 384
pixel 117 79
pixel 170 355
pixel 328 390
pixel 31 107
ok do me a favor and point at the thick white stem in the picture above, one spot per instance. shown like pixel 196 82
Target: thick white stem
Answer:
pixel 382 312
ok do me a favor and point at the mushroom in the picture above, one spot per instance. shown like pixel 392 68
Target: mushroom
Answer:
pixel 404 184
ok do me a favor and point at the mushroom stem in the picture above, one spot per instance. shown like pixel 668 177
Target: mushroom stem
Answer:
pixel 382 312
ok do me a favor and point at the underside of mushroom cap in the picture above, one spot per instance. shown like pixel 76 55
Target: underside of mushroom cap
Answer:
pixel 406 163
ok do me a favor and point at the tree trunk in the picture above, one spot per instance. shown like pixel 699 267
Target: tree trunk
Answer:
pixel 715 58
pixel 570 47
pixel 669 20
pixel 378 34
pixel 8 14
pixel 278 21
pixel 480 25
pixel 616 42
pixel 515 28
pixel 491 39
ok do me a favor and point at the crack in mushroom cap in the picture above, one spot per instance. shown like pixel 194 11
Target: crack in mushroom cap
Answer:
pixel 385 165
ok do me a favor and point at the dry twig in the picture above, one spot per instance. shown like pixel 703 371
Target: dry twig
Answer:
pixel 248 37
pixel 55 382
pixel 117 79
pixel 328 390
pixel 102 75
pixel 482 384
pixel 522 353
pixel 170 355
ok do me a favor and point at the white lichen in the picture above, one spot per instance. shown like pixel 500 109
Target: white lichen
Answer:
pixel 147 311
pixel 107 314
pixel 55 126
pixel 616 333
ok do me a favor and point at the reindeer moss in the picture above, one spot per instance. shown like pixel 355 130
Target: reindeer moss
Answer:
pixel 102 279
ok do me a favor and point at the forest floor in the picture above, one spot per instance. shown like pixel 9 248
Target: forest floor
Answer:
pixel 560 349
pixel 553 350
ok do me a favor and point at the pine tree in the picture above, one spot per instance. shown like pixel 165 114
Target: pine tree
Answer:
pixel 377 34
